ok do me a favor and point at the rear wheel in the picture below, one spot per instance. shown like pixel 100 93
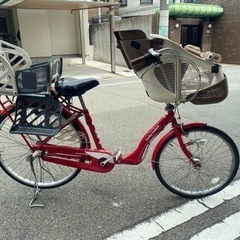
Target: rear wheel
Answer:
pixel 14 152
pixel 215 154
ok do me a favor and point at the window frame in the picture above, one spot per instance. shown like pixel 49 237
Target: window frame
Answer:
pixel 123 4
pixel 149 2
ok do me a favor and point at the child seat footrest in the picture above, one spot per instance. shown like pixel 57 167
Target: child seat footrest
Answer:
pixel 37 115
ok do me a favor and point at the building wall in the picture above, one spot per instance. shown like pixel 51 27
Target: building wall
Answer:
pixel 34 31
pixel 62 32
pixel 134 8
pixel 100 36
pixel 45 33
pixel 226 35
pixel 98 15
pixel 56 32
pixel 222 37
pixel 207 33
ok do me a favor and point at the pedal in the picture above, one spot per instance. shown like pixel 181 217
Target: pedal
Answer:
pixel 116 157
pixel 119 155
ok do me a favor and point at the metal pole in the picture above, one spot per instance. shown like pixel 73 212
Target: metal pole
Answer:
pixel 164 18
pixel 82 35
pixel 99 14
pixel 112 40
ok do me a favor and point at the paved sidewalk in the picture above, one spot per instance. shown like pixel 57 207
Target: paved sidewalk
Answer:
pixel 93 68
pixel 74 67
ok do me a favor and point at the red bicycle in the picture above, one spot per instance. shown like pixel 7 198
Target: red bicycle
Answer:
pixel 46 141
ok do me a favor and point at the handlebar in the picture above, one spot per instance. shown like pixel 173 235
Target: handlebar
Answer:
pixel 193 50
pixel 151 54
pixel 137 60
pixel 155 55
pixel 210 56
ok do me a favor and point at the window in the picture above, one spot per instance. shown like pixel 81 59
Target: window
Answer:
pixel 146 1
pixel 3 25
pixel 123 2
pixel 192 1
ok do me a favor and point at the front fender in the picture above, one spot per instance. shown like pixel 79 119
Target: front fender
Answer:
pixel 168 135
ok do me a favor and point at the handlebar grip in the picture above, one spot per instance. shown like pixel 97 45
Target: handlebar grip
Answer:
pixel 192 50
pixel 137 60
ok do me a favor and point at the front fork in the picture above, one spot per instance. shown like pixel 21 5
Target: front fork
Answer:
pixel 180 131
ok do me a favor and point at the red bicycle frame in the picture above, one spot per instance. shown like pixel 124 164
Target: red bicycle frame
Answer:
pixel 90 158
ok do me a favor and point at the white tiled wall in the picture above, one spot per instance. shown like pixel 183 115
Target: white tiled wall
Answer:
pixel 45 33
pixel 35 32
pixel 62 32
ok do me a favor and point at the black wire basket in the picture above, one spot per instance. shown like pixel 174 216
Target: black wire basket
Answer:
pixel 37 115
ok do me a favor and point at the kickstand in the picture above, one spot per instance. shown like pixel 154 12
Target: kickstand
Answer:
pixel 36 201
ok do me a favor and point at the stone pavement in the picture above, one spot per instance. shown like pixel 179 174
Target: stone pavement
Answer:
pixel 74 66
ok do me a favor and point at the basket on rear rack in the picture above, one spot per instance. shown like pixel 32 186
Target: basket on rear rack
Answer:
pixel 179 77
pixel 36 112
pixel 36 115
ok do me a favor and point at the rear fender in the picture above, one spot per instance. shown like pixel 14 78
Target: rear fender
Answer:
pixel 168 135
pixel 79 124
pixel 8 108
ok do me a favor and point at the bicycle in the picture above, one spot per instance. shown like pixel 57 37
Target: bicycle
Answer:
pixel 51 140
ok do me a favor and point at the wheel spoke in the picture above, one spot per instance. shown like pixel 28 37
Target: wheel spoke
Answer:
pixel 217 156
pixel 14 152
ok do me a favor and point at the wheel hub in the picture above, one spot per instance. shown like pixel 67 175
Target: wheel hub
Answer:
pixel 197 163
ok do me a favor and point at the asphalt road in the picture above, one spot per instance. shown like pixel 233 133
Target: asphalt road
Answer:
pixel 96 206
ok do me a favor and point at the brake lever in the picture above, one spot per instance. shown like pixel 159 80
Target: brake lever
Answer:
pixel 154 55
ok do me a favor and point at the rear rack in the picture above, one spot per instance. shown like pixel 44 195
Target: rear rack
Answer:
pixel 37 115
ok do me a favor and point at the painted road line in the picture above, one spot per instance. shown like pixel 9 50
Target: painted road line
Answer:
pixel 120 83
pixel 157 225
pixel 228 229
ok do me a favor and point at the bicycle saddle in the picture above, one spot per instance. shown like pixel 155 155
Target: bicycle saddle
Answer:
pixel 70 87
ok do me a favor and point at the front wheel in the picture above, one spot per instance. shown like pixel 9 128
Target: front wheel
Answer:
pixel 216 157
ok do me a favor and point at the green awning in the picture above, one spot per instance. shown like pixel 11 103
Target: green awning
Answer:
pixel 194 10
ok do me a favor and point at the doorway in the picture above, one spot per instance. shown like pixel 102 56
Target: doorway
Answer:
pixel 191 34
pixel 6 26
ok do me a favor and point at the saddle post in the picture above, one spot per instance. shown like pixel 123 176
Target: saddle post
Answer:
pixel 90 124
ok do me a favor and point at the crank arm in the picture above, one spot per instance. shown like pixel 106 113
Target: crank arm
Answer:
pixel 116 157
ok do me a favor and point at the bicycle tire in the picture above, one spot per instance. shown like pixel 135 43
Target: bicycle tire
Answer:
pixel 214 150
pixel 50 175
